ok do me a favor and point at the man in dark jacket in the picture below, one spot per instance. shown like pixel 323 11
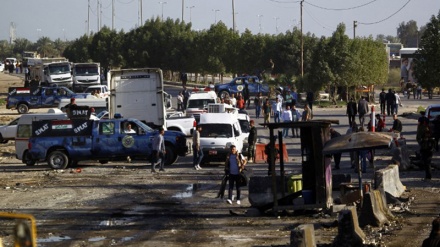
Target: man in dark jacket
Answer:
pixel 351 111
pixel 362 110
pixel 390 98
pixel 397 125
pixel 252 140
pixel 337 156
pixel 382 101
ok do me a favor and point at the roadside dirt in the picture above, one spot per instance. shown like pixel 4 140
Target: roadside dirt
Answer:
pixel 123 204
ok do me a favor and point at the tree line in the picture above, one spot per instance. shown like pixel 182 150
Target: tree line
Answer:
pixel 328 62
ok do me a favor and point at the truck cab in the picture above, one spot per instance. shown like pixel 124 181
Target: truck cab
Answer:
pixel 219 132
pixel 198 103
pixel 85 75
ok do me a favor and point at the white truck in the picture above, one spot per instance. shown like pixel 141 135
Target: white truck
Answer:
pixel 51 71
pixel 198 103
pixel 85 75
pixel 138 93
pixel 219 132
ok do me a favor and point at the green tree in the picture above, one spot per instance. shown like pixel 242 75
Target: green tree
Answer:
pixel 427 67
pixel 78 50
pixel 21 45
pixel 45 47
pixel 106 47
pixel 408 33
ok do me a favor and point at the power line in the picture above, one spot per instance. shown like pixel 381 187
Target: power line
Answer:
pixel 340 9
pixel 376 22
pixel 315 20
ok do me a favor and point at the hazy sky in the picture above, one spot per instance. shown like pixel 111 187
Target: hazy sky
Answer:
pixel 67 19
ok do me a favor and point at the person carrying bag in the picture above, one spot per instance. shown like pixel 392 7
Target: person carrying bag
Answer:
pixel 234 165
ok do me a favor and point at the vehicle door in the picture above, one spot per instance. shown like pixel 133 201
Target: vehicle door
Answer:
pixel 238 137
pixel 48 97
pixel 108 141
pixel 253 85
pixel 237 85
pixel 36 98
pixel 136 142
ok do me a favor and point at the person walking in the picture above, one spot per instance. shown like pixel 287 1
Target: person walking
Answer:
pixel 277 109
pixel 197 151
pixel 180 102
pixel 296 116
pixel 252 141
pixel 246 95
pixel 426 144
pixel 390 98
pixel 186 93
pixel 397 103
pixel 351 111
pixel 362 110
pixel 382 101
pixel 183 78
pixel 287 118
pixel 240 102
pixel 380 124
pixel 258 101
pixel 158 156
pixel 307 113
pixel 234 164
pixel 309 99
pixel 266 111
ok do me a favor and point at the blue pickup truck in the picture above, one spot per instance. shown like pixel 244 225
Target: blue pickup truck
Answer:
pixel 25 98
pixel 238 84
pixel 65 142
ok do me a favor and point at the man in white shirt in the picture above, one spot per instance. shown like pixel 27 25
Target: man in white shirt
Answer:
pixel 233 100
pixel 398 103
pixel 287 117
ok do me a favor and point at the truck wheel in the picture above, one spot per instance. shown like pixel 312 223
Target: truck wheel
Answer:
pixel 223 94
pixel 58 160
pixel 2 140
pixel 170 156
pixel 27 159
pixel 22 108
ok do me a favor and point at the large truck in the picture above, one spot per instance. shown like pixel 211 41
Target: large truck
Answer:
pixel 51 71
pixel 138 93
pixel 85 75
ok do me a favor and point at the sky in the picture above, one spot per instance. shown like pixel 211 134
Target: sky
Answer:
pixel 68 19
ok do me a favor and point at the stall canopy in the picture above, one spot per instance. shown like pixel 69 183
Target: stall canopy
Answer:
pixel 358 141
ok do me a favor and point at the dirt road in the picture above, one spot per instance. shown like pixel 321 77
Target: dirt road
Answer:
pixel 123 204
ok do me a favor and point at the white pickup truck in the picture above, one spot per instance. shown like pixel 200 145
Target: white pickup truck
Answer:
pixel 179 122
pixel 7 132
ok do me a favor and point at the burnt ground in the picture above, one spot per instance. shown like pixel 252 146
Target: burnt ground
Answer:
pixel 123 204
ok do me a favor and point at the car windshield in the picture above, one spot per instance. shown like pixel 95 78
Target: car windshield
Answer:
pixel 143 126
pixel 200 103
pixel 244 125
pixel 216 130
pixel 101 114
pixel 433 112
pixel 59 68
pixel 86 70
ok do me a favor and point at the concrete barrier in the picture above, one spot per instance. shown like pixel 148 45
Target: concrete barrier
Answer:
pixel 372 212
pixel 303 236
pixel 388 180
pixel 349 232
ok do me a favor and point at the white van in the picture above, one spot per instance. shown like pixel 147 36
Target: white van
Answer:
pixel 99 104
pixel 219 132
pixel 24 132
pixel 198 103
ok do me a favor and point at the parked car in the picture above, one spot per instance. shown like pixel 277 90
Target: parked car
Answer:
pixel 432 111
pixel 7 132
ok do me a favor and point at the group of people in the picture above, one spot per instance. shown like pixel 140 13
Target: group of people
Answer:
pixel 391 100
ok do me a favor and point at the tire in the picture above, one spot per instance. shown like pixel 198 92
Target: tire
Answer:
pixel 170 156
pixel 58 160
pixel 1 139
pixel 27 160
pixel 223 94
pixel 22 108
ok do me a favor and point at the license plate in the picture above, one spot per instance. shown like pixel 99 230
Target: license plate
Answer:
pixel 212 152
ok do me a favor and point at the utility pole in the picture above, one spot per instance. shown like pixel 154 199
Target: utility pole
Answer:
pixel 162 3
pixel 113 14
pixel 97 14
pixel 190 13
pixel 259 22
pixel 142 19
pixel 183 6
pixel 233 16
pixel 88 20
pixel 302 41
pixel 276 24
pixel 355 23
